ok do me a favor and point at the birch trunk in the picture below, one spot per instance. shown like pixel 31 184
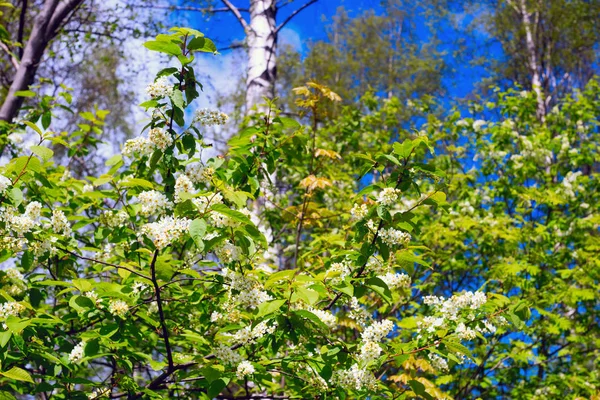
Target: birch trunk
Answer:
pixel 534 64
pixel 262 45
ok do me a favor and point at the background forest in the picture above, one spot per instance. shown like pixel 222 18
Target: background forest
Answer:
pixel 389 160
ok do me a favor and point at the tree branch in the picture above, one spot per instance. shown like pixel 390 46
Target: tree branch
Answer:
pixel 208 10
pixel 21 30
pixel 104 263
pixel 293 14
pixel 238 15
pixel 13 59
pixel 161 313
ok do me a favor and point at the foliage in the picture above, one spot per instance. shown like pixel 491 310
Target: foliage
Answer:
pixel 392 54
pixel 523 221
pixel 269 271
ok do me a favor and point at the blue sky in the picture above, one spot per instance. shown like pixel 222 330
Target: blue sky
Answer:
pixel 311 24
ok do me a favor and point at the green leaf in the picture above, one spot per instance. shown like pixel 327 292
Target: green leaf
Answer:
pixel 197 230
pixel 313 318
pixel 117 158
pixel 419 389
pixel 43 152
pixel 132 182
pixel 177 98
pixel 202 44
pixel 381 288
pixel 163 47
pixel 269 307
pixel 286 274
pixel 308 295
pixel 17 374
pixel 228 212
pixel 24 93
pixel 34 127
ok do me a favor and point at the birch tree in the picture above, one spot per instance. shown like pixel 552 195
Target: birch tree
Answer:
pixel 52 17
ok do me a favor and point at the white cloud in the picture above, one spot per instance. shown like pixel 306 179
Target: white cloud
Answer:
pixel 288 36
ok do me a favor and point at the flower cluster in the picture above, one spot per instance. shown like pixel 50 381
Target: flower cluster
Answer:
pixel 395 280
pixel 388 197
pixel 325 316
pixel 355 378
pixel 225 355
pixel 139 146
pixel 165 231
pixel 22 223
pixel 249 335
pixel 203 203
pixel 160 88
pixel 227 252
pixel 160 138
pixel 394 237
pixel 359 377
pixel 60 223
pixel 113 219
pixel 183 184
pixel 358 212
pixel 199 173
pixel 438 362
pixel 339 271
pixel 118 308
pixel 244 369
pixel 12 308
pixel 244 290
pixel 450 311
pixel 210 117
pixel 5 183
pixel 18 284
pixel 154 202
pixel 77 353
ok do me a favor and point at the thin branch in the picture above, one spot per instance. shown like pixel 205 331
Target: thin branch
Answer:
pixel 208 10
pixel 293 14
pixel 21 30
pixel 105 263
pixel 238 15
pixel 13 59
pixel 161 314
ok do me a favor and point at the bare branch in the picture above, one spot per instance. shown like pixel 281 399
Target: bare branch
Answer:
pixel 238 15
pixel 293 14
pixel 13 59
pixel 21 30
pixel 104 263
pixel 208 10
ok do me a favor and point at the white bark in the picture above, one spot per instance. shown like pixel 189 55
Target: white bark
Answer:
pixel 534 64
pixel 262 47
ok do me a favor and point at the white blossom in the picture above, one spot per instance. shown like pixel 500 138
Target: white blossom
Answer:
pixel 154 202
pixel 244 369
pixel 377 331
pixel 183 184
pixel 359 211
pixel 118 308
pixel 225 355
pixel 160 88
pixel 167 230
pixel 438 362
pixel 394 281
pixel 160 138
pixel 388 196
pixel 325 316
pixel 60 223
pixel 77 353
pixel 140 146
pixel 208 117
